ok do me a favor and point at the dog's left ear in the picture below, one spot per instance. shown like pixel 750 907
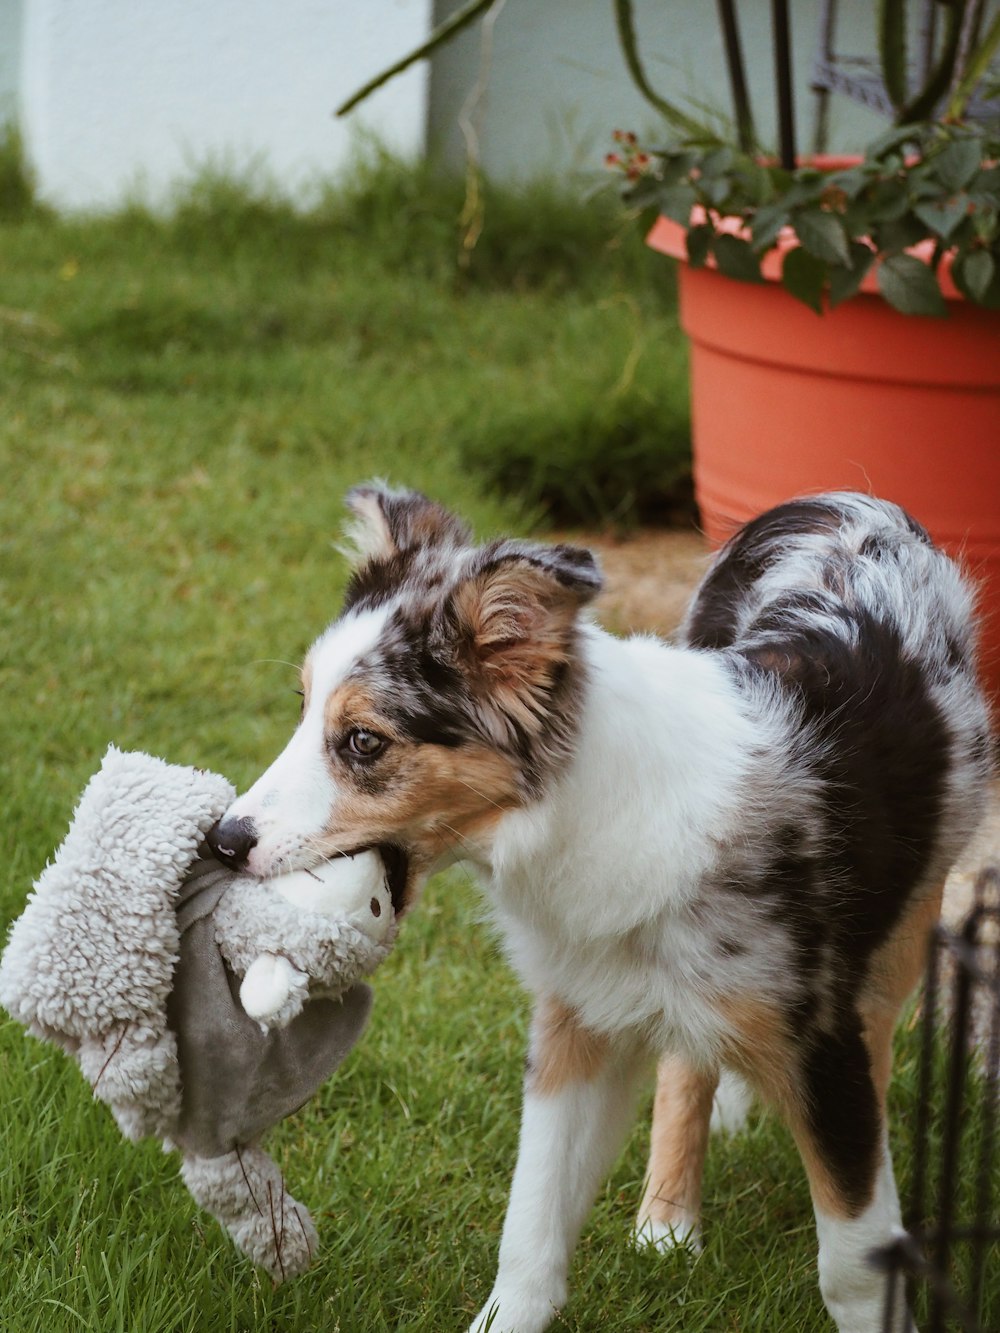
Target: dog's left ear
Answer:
pixel 388 522
pixel 511 622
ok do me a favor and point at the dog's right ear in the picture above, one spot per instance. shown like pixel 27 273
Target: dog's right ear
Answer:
pixel 388 522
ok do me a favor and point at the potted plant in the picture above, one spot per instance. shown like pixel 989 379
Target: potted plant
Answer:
pixel 843 313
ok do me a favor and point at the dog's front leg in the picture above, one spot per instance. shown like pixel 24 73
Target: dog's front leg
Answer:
pixel 579 1092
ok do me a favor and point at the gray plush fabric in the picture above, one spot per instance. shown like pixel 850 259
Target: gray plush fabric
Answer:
pixel 120 958
pixel 237 1081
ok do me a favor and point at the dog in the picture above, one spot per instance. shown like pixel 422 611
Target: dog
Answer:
pixel 724 853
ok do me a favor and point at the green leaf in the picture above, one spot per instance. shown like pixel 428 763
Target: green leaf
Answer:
pixel 958 163
pixel 717 163
pixel 716 191
pixel 978 269
pixel 804 276
pixel 643 192
pixel 988 184
pixel 823 235
pixel 889 202
pixel 845 282
pixel 986 222
pixel 758 184
pixel 767 224
pixel 852 181
pixel 893 237
pixel 735 259
pixel 910 287
pixel 674 168
pixel 677 202
pixel 699 244
pixel 891 140
pixel 942 219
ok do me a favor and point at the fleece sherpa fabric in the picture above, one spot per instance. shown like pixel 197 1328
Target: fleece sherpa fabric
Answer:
pixel 127 956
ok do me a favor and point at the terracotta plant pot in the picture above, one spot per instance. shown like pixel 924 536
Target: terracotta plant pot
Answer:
pixel 786 402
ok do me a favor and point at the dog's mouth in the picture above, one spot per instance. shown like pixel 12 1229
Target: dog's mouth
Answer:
pixel 396 860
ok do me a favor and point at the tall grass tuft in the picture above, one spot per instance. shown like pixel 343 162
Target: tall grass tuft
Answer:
pixel 17 185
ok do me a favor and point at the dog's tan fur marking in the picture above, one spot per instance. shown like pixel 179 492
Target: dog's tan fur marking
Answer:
pixel 306 680
pixel 764 1051
pixel 518 622
pixel 563 1051
pixel 678 1141
pixel 432 797
pixel 762 1048
pixel 896 967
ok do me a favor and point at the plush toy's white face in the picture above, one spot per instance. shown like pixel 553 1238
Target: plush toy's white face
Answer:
pixel 350 887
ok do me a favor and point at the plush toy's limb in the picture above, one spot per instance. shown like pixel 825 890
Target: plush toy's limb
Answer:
pixel 245 1191
pixel 273 991
pixel 135 1071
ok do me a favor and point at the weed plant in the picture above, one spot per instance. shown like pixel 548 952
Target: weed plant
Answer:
pixel 184 401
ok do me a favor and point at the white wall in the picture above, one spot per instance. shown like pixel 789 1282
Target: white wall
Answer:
pixel 10 57
pixel 120 98
pixel 554 84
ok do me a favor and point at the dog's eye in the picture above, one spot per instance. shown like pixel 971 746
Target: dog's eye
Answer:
pixel 364 744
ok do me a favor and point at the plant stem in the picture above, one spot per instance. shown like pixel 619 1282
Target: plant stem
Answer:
pixel 973 73
pixel 892 50
pixel 625 21
pixel 444 32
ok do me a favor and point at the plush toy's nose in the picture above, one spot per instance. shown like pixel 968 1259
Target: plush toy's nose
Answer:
pixel 232 840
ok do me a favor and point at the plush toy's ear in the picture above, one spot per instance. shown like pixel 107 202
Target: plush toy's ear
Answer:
pixel 512 619
pixel 388 522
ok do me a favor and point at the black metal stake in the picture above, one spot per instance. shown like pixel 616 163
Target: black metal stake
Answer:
pixel 783 82
pixel 953 1125
pixel 991 1092
pixel 737 75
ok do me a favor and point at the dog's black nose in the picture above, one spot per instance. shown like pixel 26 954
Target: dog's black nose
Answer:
pixel 231 841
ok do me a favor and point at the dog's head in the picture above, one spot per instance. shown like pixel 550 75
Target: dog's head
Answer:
pixel 443 696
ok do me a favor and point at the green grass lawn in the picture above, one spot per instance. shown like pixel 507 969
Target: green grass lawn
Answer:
pixel 183 405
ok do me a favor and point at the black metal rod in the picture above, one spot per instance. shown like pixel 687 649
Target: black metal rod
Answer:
pixel 953 1126
pixel 783 82
pixel 917 1220
pixel 983 1215
pixel 737 75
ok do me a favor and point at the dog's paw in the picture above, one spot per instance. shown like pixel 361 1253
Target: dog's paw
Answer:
pixel 683 1233
pixel 514 1312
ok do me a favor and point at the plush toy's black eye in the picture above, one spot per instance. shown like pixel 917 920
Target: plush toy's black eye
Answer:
pixel 364 744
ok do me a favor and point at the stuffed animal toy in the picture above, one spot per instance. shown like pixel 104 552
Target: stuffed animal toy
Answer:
pixel 350 891
pixel 130 955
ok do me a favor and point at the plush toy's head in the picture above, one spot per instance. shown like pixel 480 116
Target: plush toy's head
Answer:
pixel 352 888
pixel 351 895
